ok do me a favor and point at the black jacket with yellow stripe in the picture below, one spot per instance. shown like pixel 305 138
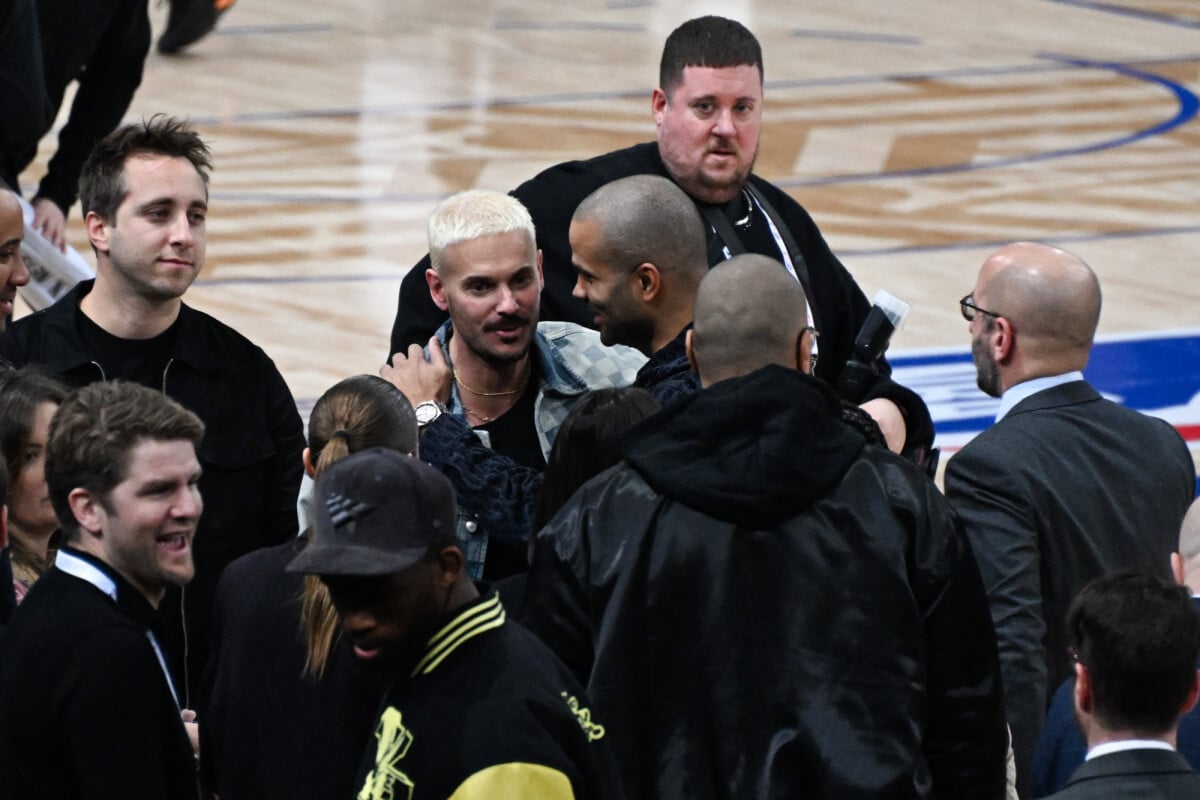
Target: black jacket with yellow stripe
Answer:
pixel 488 712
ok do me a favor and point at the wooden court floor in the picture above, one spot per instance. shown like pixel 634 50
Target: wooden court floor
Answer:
pixel 920 134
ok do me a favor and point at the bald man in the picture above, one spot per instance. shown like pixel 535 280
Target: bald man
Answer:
pixel 763 604
pixel 1061 748
pixel 639 249
pixel 1066 486
pixel 13 273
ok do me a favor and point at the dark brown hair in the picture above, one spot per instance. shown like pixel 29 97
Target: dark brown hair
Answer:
pixel 93 433
pixel 102 182
pixel 707 42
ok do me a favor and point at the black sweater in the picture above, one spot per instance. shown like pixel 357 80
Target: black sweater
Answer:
pixel 85 709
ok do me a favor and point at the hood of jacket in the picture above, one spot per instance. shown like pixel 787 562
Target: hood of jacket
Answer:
pixel 752 450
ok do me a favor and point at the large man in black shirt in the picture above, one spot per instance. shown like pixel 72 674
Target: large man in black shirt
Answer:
pixel 707 111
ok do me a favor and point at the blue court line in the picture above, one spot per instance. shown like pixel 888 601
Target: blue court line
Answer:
pixel 855 36
pixel 524 25
pixel 1125 11
pixel 1189 104
pixel 261 30
pixel 842 254
pixel 583 97
pixel 1073 238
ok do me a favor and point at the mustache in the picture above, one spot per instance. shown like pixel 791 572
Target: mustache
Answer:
pixel 507 321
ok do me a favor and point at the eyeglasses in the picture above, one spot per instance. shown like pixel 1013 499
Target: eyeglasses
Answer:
pixel 969 309
pixel 812 359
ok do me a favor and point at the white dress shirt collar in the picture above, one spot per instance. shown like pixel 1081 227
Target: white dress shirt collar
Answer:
pixel 1127 744
pixel 1016 394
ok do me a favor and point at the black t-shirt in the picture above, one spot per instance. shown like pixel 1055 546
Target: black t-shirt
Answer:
pixel 755 234
pixel 139 360
pixel 514 434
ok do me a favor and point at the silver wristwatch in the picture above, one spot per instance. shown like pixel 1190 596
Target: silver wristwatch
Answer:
pixel 428 411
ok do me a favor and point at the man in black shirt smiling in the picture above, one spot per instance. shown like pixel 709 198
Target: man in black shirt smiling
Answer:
pixel 144 191
pixel 88 707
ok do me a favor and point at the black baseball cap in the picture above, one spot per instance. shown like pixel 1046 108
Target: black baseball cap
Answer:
pixel 376 512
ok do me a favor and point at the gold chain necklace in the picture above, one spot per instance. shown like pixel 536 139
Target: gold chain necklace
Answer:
pixel 472 413
pixel 520 388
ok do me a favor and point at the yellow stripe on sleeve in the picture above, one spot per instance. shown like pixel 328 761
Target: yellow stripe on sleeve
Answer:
pixel 515 780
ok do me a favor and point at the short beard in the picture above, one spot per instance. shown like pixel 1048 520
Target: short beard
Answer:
pixel 635 333
pixel 987 371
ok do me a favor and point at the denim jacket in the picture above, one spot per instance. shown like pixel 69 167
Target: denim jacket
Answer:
pixel 496 495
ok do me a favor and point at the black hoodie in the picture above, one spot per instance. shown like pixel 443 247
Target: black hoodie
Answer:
pixel 765 606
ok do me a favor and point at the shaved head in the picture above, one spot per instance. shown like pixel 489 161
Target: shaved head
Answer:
pixel 1038 307
pixel 1051 296
pixel 8 202
pixel 750 312
pixel 647 218
pixel 640 249
pixel 13 272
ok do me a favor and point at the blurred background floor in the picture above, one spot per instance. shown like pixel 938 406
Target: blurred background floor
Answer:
pixel 919 134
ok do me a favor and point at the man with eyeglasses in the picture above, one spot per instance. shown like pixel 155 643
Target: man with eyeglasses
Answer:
pixel 1066 486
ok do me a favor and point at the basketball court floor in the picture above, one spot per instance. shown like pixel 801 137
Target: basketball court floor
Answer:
pixel 920 134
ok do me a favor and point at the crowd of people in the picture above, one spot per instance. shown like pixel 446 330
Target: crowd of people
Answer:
pixel 610 522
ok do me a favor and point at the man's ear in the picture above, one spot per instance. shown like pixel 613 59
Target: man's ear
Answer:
pixel 658 102
pixel 450 565
pixel 3 527
pixel 1003 340
pixel 1193 695
pixel 98 231
pixel 437 289
pixel 89 512
pixel 648 282
pixel 306 457
pixel 1083 690
pixel 804 352
pixel 541 277
pixel 691 352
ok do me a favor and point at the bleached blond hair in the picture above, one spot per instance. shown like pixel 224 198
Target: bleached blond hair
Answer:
pixel 471 215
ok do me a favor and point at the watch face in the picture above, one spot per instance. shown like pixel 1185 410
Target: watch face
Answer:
pixel 427 412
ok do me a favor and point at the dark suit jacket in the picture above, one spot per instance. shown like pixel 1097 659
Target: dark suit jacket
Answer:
pixel 1061 748
pixel 1066 488
pixel 1144 774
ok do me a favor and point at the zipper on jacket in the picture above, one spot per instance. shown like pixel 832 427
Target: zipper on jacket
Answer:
pixel 187 675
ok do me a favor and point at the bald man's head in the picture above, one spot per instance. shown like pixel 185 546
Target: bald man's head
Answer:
pixel 640 249
pixel 12 267
pixel 1048 293
pixel 647 218
pixel 749 313
pixel 1043 305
